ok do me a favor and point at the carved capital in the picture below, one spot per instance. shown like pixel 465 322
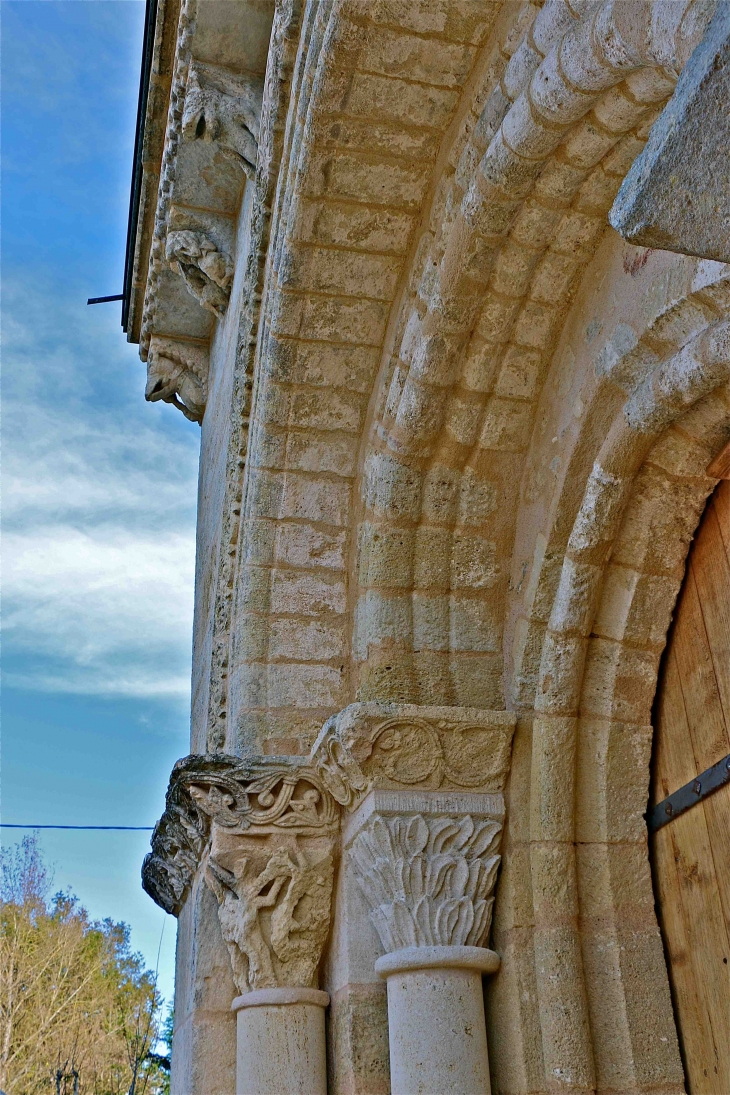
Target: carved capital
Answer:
pixel 264 833
pixel 224 107
pixel 428 880
pixel 206 270
pixel 403 746
pixel 177 373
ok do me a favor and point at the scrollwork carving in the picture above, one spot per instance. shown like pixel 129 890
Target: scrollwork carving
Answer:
pixel 429 881
pixel 402 746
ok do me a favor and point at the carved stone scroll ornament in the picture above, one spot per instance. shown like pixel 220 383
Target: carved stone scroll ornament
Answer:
pixel 224 107
pixel 264 833
pixel 429 881
pixel 177 373
pixel 206 271
pixel 402 746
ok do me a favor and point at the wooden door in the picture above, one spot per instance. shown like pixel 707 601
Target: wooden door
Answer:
pixel 691 853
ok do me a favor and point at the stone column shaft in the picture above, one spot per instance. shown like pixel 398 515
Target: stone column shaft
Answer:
pixel 281 1042
pixel 427 865
pixel 437 1032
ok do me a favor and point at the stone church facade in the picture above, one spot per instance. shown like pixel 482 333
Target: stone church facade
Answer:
pixel 444 284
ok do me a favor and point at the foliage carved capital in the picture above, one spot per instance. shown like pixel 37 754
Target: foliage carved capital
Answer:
pixel 428 880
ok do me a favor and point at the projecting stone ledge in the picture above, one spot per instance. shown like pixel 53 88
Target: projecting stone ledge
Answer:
pixel 676 197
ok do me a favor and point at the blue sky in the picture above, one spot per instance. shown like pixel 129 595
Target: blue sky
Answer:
pixel 99 487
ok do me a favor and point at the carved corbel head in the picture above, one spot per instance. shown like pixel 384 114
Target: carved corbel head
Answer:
pixel 206 271
pixel 177 373
pixel 224 107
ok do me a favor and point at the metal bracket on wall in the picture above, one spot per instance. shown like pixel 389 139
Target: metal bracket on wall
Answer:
pixel 688 796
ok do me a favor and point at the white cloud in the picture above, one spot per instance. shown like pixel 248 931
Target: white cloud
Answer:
pixel 115 607
pixel 99 494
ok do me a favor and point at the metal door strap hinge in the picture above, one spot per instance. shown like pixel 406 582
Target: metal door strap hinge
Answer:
pixel 686 797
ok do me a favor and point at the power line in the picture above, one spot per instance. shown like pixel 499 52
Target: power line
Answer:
pixel 116 828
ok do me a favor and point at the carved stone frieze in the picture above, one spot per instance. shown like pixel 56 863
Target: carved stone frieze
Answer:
pixel 177 373
pixel 403 746
pixel 224 107
pixel 429 881
pixel 206 270
pixel 263 832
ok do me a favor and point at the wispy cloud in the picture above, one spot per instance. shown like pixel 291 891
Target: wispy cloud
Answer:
pixel 98 510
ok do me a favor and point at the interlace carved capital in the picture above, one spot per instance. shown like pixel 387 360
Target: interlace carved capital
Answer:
pixel 429 881
pixel 264 831
pixel 404 746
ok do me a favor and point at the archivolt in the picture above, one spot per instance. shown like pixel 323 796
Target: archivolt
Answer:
pixel 520 220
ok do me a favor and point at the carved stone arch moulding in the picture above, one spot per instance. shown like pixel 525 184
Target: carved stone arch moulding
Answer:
pixel 596 951
pixel 478 324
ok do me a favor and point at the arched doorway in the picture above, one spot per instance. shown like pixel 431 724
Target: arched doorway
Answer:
pixel 690 851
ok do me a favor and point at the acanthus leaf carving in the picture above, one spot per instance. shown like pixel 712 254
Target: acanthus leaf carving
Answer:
pixel 429 881
pixel 206 271
pixel 224 107
pixel 177 373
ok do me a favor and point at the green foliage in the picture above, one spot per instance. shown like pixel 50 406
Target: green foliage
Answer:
pixel 79 1013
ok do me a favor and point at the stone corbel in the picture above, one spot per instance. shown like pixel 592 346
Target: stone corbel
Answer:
pixel 224 107
pixel 206 271
pixel 177 373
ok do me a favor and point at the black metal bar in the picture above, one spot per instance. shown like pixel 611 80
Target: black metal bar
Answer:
pixel 150 22
pixel 688 796
pixel 104 300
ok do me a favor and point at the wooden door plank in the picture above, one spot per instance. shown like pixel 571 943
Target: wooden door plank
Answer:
pixel 710 571
pixel 694 1038
pixel 674 763
pixel 717 816
pixel 706 934
pixel 721 502
pixel 691 855
pixel 705 714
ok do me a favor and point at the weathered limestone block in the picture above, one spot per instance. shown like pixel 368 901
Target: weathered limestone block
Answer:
pixel 177 373
pixel 224 107
pixel 206 271
pixel 675 196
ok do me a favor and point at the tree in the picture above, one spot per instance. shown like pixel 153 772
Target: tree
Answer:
pixel 79 1013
